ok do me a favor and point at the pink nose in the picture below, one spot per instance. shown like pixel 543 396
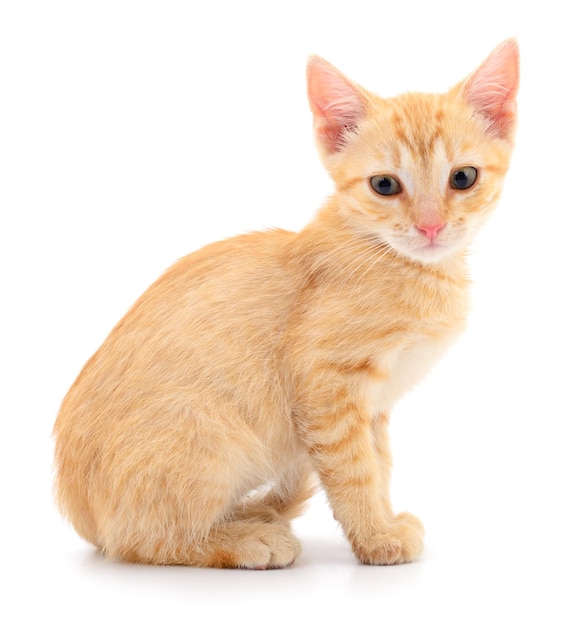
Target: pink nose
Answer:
pixel 430 230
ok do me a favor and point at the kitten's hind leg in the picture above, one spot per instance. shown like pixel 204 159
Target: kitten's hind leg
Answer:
pixel 246 544
pixel 284 500
pixel 249 536
pixel 249 544
pixel 207 523
pixel 257 533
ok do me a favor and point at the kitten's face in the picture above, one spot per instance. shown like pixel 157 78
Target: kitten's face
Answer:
pixel 421 173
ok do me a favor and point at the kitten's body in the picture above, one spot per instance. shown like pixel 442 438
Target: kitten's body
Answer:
pixel 192 435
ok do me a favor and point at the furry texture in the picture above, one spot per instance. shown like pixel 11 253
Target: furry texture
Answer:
pixel 192 436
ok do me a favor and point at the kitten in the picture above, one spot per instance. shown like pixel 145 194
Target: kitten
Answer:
pixel 192 436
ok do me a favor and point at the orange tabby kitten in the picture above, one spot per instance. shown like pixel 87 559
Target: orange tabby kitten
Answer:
pixel 192 435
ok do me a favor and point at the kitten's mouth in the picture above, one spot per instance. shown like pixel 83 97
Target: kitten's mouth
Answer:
pixel 432 245
pixel 427 251
pixel 422 249
pixel 432 248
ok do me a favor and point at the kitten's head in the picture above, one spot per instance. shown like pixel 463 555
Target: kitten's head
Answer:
pixel 420 171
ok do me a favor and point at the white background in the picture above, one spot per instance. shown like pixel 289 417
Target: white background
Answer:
pixel 131 133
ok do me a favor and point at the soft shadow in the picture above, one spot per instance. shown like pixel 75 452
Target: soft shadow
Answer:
pixel 380 578
pixel 326 564
pixel 325 551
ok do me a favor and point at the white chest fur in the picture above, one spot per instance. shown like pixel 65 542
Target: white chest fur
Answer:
pixel 400 369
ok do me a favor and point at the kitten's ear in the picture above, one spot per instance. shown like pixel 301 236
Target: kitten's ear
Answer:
pixel 338 104
pixel 492 88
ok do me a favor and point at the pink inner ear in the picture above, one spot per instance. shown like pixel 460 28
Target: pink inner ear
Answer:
pixel 492 89
pixel 336 103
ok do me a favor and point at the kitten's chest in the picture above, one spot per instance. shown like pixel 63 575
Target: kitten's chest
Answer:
pixel 399 369
pixel 410 353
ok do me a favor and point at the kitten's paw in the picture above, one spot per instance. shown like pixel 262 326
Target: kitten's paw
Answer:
pixel 270 546
pixel 401 542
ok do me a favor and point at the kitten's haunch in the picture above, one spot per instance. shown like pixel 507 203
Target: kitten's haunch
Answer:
pixel 194 433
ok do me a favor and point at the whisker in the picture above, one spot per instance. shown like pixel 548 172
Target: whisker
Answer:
pixel 367 251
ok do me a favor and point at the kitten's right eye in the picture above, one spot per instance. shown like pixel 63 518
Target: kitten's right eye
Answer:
pixel 463 178
pixel 385 185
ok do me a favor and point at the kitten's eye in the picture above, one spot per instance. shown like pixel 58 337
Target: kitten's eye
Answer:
pixel 385 185
pixel 463 178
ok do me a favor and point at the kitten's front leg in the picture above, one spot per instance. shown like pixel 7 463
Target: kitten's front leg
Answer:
pixel 353 463
pixel 380 425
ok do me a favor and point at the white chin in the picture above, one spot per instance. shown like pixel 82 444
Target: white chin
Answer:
pixel 428 254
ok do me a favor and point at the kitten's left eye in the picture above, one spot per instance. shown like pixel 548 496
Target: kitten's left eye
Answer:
pixel 385 185
pixel 463 178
